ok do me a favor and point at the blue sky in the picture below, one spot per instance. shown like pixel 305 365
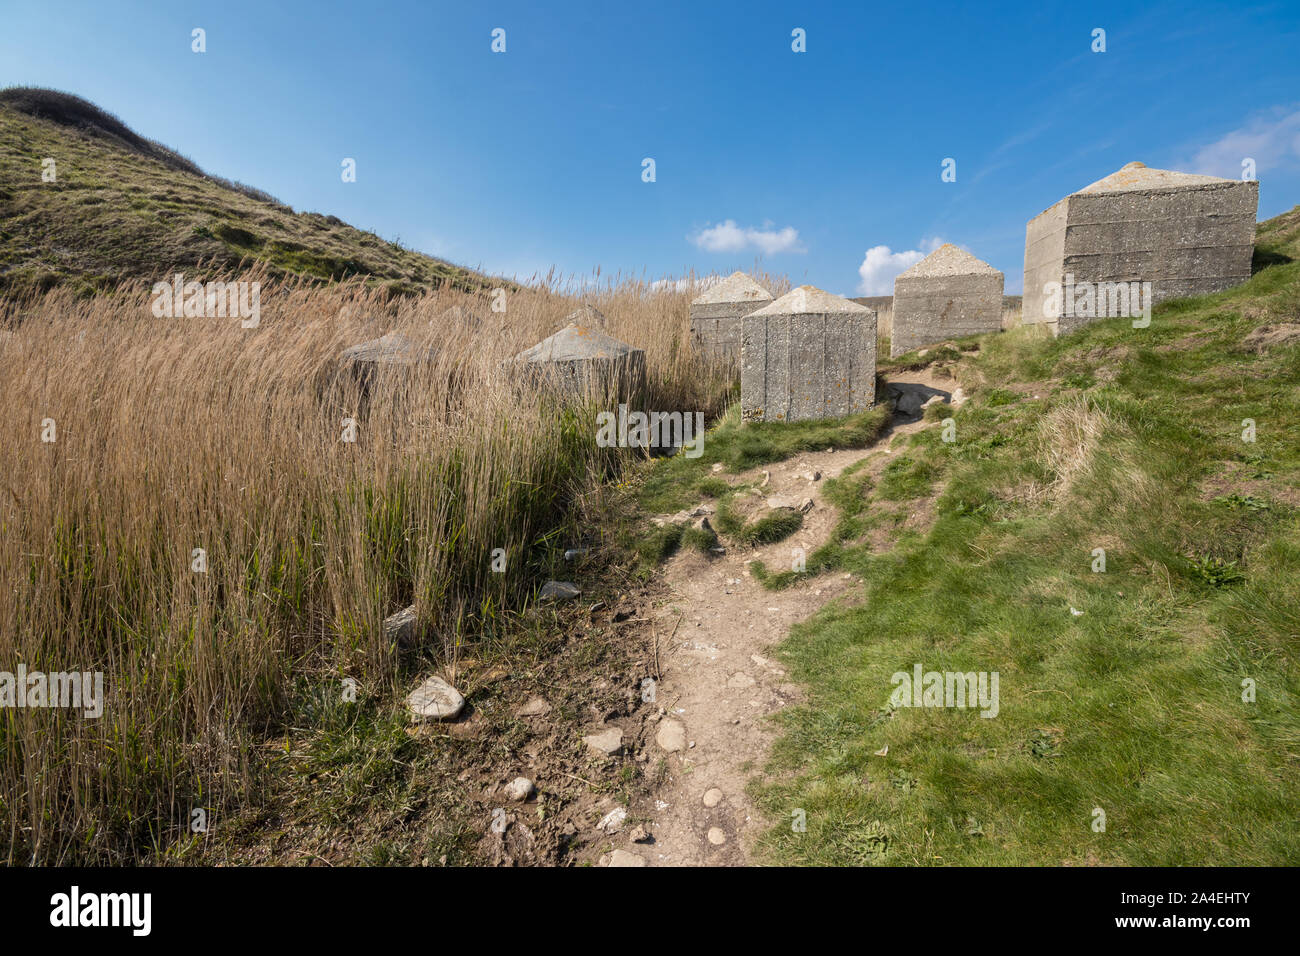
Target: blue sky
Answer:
pixel 802 162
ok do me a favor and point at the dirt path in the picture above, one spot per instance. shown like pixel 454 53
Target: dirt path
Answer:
pixel 720 682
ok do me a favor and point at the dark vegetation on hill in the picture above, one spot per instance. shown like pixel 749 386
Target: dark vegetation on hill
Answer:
pixel 124 207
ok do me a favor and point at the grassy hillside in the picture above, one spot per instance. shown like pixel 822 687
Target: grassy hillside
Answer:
pixel 1121 689
pixel 122 207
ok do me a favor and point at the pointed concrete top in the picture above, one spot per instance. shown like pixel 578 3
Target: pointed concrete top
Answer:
pixel 393 349
pixel 575 343
pixel 586 315
pixel 1138 177
pixel 948 260
pixel 809 300
pixel 737 287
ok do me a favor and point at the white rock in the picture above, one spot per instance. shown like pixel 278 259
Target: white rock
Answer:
pixel 671 735
pixel 435 699
pixel 519 789
pixel 537 707
pixel 624 858
pixel 608 742
pixel 716 836
pixel 712 797
pixel 613 821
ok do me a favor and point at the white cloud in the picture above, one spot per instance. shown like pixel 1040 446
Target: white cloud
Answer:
pixel 881 266
pixel 1271 139
pixel 726 236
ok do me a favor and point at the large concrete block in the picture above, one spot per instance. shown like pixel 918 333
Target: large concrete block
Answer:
pixel 1044 259
pixel 808 355
pixel 947 295
pixel 716 315
pixel 394 351
pixel 582 361
pixel 1185 234
pixel 393 360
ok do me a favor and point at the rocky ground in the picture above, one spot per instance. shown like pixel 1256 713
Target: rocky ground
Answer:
pixel 720 682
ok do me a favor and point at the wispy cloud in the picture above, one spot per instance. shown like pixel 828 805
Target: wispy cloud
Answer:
pixel 727 236
pixel 882 265
pixel 1271 139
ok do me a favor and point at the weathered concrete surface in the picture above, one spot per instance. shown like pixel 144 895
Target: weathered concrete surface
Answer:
pixel 1185 234
pixel 806 356
pixel 391 354
pixel 716 315
pixel 587 315
pixel 391 349
pixel 949 294
pixel 581 360
pixel 883 306
pixel 1044 259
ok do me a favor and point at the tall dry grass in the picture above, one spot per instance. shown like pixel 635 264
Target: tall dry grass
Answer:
pixel 180 434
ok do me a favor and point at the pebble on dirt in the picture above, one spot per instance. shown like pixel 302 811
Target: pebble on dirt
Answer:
pixel 537 707
pixel 519 789
pixel 671 735
pixel 608 742
pixel 613 821
pixel 435 699
pixel 624 858
pixel 559 591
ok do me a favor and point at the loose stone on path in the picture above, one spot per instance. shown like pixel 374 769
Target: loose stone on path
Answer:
pixel 435 699
pixel 671 735
pixel 537 707
pixel 613 821
pixel 624 858
pixel 559 591
pixel 519 789
pixel 608 742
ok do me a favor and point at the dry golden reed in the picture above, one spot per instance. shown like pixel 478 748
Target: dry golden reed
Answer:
pixel 173 435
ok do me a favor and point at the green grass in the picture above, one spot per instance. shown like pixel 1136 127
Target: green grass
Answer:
pixel 1134 707
pixel 673 484
pixel 773 526
pixel 670 484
